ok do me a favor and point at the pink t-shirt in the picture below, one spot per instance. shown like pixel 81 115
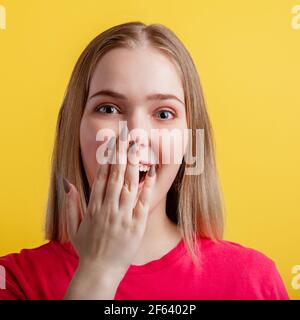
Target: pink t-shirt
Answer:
pixel 229 271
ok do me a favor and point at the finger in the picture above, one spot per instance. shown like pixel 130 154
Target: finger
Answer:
pixel 131 182
pixel 100 179
pixel 140 212
pixel 74 209
pixel 117 170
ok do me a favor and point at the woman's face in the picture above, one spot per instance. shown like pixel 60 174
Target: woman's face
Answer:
pixel 136 74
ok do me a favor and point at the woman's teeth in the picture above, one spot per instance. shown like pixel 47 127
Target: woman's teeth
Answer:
pixel 143 167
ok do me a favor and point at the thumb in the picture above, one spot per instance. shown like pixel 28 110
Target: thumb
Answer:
pixel 74 211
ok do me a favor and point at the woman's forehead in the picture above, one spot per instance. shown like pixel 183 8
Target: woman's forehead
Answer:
pixel 136 71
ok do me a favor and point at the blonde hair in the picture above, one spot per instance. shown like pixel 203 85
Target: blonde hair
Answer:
pixel 194 202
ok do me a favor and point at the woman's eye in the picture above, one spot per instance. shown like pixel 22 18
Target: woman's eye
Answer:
pixel 165 114
pixel 107 108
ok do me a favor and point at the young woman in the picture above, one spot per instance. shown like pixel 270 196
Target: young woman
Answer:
pixel 137 228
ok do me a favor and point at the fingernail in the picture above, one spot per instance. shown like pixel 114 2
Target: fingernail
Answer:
pixel 66 184
pixel 152 170
pixel 111 143
pixel 123 134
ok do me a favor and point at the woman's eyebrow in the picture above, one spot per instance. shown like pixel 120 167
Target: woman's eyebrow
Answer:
pixel 154 96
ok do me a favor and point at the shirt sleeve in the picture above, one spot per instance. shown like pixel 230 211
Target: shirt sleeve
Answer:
pixel 276 288
pixel 10 288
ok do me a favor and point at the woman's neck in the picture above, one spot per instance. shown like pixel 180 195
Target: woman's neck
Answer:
pixel 161 235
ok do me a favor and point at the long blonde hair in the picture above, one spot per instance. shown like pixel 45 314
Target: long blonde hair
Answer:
pixel 194 202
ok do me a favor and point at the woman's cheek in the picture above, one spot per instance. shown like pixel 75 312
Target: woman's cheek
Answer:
pixel 172 154
pixel 170 160
pixel 89 145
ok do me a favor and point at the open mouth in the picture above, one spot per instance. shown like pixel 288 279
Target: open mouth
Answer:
pixel 143 170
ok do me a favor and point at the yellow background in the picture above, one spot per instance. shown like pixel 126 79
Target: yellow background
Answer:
pixel 248 58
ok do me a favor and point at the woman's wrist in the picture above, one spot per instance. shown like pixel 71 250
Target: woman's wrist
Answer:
pixel 93 281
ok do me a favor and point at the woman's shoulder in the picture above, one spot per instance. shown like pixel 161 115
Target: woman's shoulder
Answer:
pixel 24 271
pixel 246 267
pixel 233 251
pixel 50 248
pixel 47 256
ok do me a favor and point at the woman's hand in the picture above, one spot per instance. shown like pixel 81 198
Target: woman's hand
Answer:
pixel 107 237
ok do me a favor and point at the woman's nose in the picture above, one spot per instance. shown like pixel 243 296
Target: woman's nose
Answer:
pixel 142 139
pixel 138 128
